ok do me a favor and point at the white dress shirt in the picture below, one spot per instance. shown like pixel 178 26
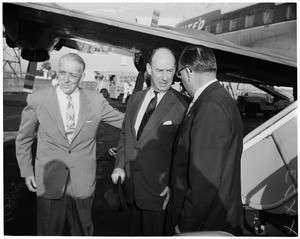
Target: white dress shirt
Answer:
pixel 63 102
pixel 149 95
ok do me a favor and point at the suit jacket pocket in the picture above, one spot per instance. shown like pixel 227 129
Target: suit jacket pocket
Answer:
pixel 90 128
pixel 167 131
pixel 169 127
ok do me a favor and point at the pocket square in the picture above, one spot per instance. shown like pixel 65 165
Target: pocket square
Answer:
pixel 89 121
pixel 169 122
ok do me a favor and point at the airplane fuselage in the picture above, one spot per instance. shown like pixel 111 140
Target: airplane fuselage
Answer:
pixel 265 25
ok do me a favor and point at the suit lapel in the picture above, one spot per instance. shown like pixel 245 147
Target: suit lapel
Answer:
pixel 191 112
pixel 84 110
pixel 161 110
pixel 54 110
pixel 202 96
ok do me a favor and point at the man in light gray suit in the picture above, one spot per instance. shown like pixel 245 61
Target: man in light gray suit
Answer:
pixel 64 175
pixel 145 148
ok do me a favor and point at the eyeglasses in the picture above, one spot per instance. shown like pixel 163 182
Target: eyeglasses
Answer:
pixel 65 73
pixel 178 73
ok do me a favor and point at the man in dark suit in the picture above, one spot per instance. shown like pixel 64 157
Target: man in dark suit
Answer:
pixel 145 149
pixel 205 176
pixel 64 177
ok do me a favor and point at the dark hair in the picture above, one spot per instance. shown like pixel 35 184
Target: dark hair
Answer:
pixel 159 48
pixel 199 59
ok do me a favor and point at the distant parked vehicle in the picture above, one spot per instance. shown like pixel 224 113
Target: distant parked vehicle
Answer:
pixel 253 103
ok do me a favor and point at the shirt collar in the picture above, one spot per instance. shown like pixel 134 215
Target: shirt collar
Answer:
pixel 63 95
pixel 159 94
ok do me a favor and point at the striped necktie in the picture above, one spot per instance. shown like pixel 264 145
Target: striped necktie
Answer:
pixel 147 115
pixel 70 120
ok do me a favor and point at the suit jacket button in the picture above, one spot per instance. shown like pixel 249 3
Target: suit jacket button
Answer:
pixel 137 147
pixel 69 151
pixel 67 168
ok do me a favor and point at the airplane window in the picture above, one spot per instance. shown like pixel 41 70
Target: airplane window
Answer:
pixel 289 14
pixel 249 21
pixel 233 24
pixel 219 27
pixel 268 16
pixel 207 28
pixel 213 29
pixel 123 61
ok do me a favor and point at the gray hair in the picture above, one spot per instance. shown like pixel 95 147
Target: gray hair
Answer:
pixel 73 57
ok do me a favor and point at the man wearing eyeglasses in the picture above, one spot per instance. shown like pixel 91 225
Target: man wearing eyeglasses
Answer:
pixel 205 174
pixel 64 172
pixel 145 148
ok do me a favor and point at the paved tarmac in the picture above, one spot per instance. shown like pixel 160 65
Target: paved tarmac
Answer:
pixel 20 204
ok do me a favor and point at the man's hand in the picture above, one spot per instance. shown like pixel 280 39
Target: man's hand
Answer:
pixel 30 183
pixel 118 172
pixel 167 191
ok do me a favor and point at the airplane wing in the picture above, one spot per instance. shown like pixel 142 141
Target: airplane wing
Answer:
pixel 39 28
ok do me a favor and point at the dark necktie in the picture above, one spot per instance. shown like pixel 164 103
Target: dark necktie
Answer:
pixel 70 120
pixel 147 115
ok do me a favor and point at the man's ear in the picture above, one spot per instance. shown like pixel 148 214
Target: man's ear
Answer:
pixel 82 76
pixel 149 69
pixel 189 75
